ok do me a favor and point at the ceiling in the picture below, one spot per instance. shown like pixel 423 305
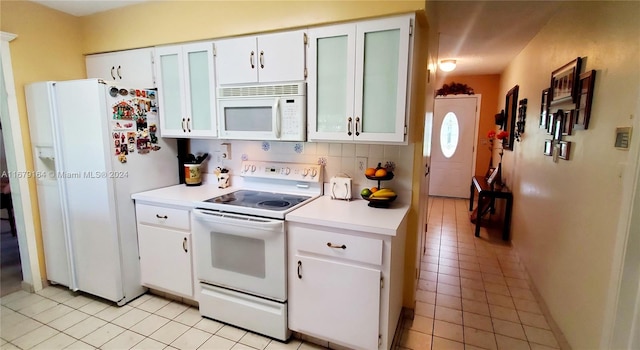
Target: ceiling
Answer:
pixel 483 36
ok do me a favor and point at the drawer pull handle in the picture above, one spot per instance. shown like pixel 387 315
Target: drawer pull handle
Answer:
pixel 299 266
pixel 184 245
pixel 330 245
pixel 162 216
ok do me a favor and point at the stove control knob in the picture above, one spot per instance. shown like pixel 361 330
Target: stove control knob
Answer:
pixel 246 168
pixel 287 171
pixel 305 172
pixel 253 168
pixel 314 172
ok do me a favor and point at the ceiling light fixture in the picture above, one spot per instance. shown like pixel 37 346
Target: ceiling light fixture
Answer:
pixel 447 65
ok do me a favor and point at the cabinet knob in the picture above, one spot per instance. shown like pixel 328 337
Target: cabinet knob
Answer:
pixel 188 124
pixel 251 60
pixel 162 216
pixel 184 245
pixel 262 59
pixel 331 245
pixel 118 71
pixel 349 126
pixel 357 126
pixel 113 75
pixel 299 266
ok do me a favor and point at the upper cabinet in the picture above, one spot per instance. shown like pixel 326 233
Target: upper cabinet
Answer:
pixel 131 68
pixel 269 58
pixel 357 85
pixel 186 93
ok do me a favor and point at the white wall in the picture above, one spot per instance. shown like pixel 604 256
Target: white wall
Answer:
pixel 566 213
pixel 339 158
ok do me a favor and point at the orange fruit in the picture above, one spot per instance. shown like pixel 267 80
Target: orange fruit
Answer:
pixel 374 189
pixel 370 172
pixel 381 173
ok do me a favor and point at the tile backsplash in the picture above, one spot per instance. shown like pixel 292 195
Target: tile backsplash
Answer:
pixel 337 158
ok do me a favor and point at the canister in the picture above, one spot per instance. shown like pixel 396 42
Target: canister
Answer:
pixel 192 175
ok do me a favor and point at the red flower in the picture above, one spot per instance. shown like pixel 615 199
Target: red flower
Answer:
pixel 491 134
pixel 502 135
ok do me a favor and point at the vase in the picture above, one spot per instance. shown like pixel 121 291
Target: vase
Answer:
pixel 497 183
pixel 490 168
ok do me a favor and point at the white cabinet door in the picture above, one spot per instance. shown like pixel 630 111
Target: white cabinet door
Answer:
pixel 335 301
pixel 331 82
pixel 281 57
pixel 186 90
pixel 165 259
pixel 382 60
pixel 270 58
pixel 237 60
pixel 358 81
pixel 131 68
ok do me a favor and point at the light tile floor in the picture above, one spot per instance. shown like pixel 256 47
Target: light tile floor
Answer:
pixel 56 318
pixel 472 293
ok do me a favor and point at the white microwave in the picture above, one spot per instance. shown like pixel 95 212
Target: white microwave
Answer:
pixel 263 112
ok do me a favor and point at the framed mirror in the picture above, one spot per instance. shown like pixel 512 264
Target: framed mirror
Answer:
pixel 510 115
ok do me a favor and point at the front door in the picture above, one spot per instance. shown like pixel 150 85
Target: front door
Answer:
pixel 452 147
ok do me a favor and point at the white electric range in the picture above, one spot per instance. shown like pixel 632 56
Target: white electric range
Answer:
pixel 240 245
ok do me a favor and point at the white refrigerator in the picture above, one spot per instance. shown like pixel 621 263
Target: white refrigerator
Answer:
pixel 94 144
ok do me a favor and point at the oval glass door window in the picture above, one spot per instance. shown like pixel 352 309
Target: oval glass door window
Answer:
pixel 449 133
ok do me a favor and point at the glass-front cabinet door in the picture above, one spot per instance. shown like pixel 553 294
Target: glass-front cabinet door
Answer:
pixel 358 81
pixel 186 90
pixel 382 58
pixel 331 84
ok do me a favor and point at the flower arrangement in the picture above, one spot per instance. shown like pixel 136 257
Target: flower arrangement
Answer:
pixel 500 135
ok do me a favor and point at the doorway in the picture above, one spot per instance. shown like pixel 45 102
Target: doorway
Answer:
pixel 455 121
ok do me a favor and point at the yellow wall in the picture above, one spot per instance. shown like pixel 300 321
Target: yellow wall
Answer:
pixel 488 86
pixel 48 47
pixel 164 22
pixel 565 214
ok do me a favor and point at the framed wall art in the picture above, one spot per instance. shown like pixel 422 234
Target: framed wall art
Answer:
pixel 567 122
pixel 584 99
pixel 544 109
pixel 564 82
pixel 564 149
pixel 548 147
pixel 510 110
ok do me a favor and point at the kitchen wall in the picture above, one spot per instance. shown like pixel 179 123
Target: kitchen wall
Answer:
pixel 48 47
pixel 338 158
pixel 566 213
pixel 164 22
pixel 488 86
pixel 51 44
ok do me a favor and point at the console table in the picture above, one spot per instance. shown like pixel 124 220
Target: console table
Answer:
pixel 486 193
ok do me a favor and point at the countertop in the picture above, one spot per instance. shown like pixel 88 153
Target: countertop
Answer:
pixel 182 195
pixel 352 215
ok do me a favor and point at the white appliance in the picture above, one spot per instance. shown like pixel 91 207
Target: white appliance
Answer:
pixel 263 112
pixel 93 146
pixel 240 245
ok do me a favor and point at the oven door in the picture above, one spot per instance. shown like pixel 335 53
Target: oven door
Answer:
pixel 241 252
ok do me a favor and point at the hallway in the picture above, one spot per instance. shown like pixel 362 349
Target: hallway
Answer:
pixel 472 293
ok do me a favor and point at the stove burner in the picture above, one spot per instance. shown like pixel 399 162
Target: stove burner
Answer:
pixel 274 203
pixel 259 199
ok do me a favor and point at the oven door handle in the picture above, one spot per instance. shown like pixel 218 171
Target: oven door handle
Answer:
pixel 237 220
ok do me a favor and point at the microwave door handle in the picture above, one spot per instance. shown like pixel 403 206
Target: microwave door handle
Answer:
pixel 277 117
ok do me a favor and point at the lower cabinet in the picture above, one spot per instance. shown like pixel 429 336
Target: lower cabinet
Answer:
pixel 166 252
pixel 344 286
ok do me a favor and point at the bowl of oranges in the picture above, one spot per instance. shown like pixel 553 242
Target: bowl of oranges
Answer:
pixel 379 173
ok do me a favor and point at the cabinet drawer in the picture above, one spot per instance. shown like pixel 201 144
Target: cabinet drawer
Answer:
pixel 336 245
pixel 161 216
